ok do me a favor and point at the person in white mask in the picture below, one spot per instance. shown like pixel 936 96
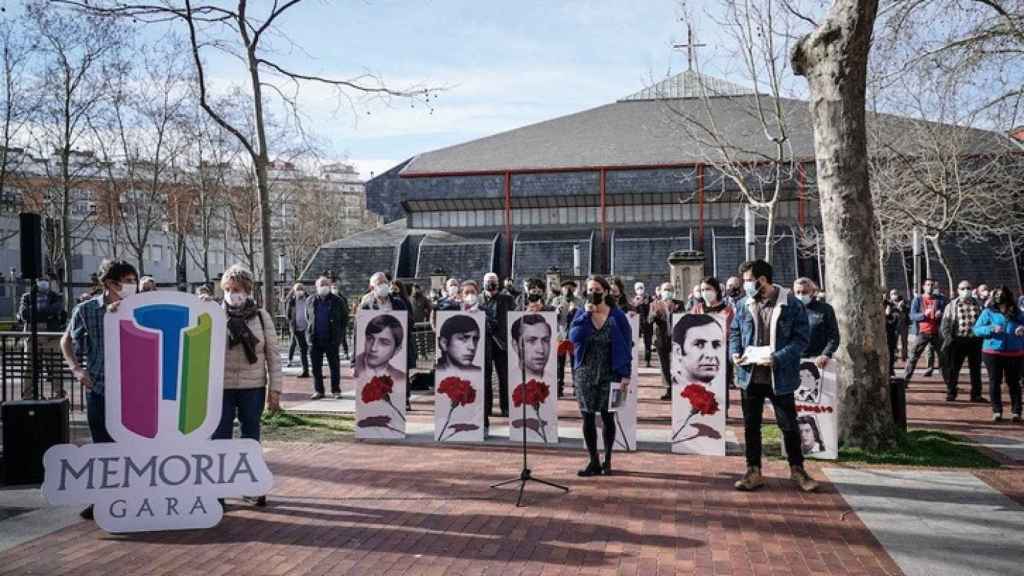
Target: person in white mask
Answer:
pixel 713 301
pixel 497 305
pixel 252 363
pixel 959 342
pixel 48 316
pixel 295 311
pixel 640 304
pixel 382 297
pixel 452 297
pixel 661 312
pixel 824 338
pixel 325 317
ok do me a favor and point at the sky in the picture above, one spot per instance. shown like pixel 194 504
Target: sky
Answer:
pixel 501 65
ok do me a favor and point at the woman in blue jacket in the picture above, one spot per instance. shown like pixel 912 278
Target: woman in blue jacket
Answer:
pixel 603 348
pixel 1001 324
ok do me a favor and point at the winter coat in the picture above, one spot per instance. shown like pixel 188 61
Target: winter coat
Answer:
pixel 239 373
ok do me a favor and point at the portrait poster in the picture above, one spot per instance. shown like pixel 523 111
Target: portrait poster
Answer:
pixel 531 348
pixel 459 377
pixel 626 416
pixel 816 414
pixel 698 384
pixel 379 368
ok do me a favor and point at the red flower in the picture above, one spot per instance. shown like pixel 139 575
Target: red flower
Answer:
pixel 701 399
pixel 458 391
pixel 378 388
pixel 533 393
pixel 564 347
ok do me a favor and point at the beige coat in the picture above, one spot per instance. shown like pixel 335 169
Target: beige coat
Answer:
pixel 239 374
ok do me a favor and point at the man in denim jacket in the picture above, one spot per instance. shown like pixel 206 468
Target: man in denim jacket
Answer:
pixel 769 316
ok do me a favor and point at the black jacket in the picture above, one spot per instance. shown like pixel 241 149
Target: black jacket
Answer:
pixel 498 308
pixel 50 316
pixel 337 314
pixel 824 336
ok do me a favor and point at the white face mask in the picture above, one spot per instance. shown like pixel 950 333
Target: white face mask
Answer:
pixel 43 285
pixel 125 291
pixel 453 292
pixel 381 290
pixel 470 300
pixel 323 290
pixel 334 290
pixel 666 295
pixel 750 287
pixel 709 296
pixel 965 292
pixel 235 299
pixel 639 290
pixel 805 299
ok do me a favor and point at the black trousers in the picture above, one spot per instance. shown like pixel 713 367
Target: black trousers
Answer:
pixel 344 338
pixel 647 346
pixel 785 416
pixel 961 349
pixel 892 338
pixel 1000 369
pixel 299 341
pixel 498 359
pixel 665 358
pixel 560 376
pixel 317 353
pixel 921 342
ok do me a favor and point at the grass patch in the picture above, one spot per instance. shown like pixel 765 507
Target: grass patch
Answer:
pixel 913 448
pixel 289 427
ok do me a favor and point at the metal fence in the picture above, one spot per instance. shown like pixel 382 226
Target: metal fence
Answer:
pixel 55 379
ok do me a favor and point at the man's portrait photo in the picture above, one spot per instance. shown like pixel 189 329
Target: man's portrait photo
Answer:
pixel 809 391
pixel 458 343
pixel 531 340
pixel 381 341
pixel 810 435
pixel 698 342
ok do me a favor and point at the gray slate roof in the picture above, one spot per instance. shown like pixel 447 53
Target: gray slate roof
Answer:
pixel 648 129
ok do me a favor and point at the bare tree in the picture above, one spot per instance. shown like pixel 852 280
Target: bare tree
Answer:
pixel 760 168
pixel 242 34
pixel 834 59
pixel 16 107
pixel 78 55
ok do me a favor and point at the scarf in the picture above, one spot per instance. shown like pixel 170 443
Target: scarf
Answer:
pixel 238 328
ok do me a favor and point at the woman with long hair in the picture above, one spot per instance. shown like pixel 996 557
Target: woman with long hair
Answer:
pixel 603 350
pixel 1001 324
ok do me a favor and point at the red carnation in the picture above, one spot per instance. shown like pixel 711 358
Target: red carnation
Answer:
pixel 378 388
pixel 459 391
pixel 533 393
pixel 701 399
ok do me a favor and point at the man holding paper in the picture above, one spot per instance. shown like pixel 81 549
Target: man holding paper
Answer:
pixel 768 336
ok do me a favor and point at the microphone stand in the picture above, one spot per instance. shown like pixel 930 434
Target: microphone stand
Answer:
pixel 525 474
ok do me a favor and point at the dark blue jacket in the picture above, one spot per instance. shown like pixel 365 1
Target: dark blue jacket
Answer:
pixel 824 336
pixel 789 335
pixel 622 340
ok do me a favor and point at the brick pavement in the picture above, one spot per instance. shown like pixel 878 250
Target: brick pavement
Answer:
pixel 361 508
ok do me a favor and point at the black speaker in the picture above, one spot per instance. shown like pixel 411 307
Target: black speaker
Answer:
pixel 30 428
pixel 31 245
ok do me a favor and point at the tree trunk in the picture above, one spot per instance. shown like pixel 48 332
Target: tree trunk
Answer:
pixel 834 60
pixel 769 235
pixel 65 229
pixel 950 282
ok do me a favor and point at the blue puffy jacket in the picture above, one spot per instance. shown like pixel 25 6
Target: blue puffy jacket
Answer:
pixel 789 336
pixel 1005 343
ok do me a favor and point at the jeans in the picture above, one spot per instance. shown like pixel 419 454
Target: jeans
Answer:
pixel 1003 368
pixel 785 416
pixel 96 413
pixel 920 343
pixel 299 340
pixel 247 405
pixel 317 353
pixel 959 350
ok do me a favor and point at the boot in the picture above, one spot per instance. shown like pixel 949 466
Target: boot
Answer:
pixel 751 481
pixel 592 469
pixel 802 478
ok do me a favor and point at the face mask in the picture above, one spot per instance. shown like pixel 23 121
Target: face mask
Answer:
pixel 43 285
pixel 709 296
pixel 805 299
pixel 999 299
pixel 470 300
pixel 125 291
pixel 750 287
pixel 334 289
pixel 965 292
pixel 596 298
pixel 453 291
pixel 235 298
pixel 323 290
pixel 734 291
pixel 300 293
pixel 666 295
pixel 491 287
pixel 381 290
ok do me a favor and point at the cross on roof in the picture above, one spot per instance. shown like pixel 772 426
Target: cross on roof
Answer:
pixel 691 47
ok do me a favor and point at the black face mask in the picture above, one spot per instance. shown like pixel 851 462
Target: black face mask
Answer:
pixel 999 299
pixel 491 287
pixel 596 298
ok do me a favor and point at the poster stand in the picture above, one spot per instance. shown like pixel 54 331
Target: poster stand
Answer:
pixel 525 474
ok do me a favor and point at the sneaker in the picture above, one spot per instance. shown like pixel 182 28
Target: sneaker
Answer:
pixel 997 416
pixel 87 513
pixel 802 478
pixel 1015 418
pixel 317 396
pixel 336 395
pixel 257 501
pixel 751 481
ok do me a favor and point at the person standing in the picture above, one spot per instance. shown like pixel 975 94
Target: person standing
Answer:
pixel 713 302
pixel 452 295
pixel 336 290
pixel 49 317
pixel 383 296
pixel 603 353
pixel 823 340
pixel 325 314
pixel 618 294
pixel 566 305
pixel 534 287
pixel 1001 324
pixel 926 314
pixel 895 324
pixel 497 305
pixel 768 337
pixel 641 304
pixel 295 308
pixel 252 363
pixel 960 343
pixel 85 333
pixel 733 290
pixel 662 311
